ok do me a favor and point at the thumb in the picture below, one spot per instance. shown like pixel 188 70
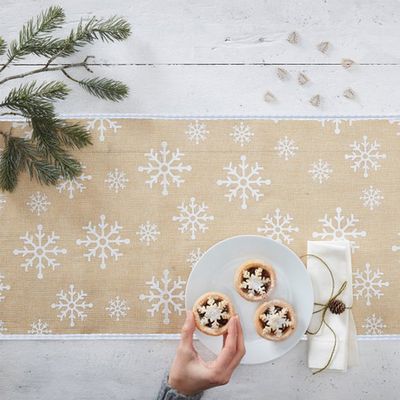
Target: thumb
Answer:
pixel 188 329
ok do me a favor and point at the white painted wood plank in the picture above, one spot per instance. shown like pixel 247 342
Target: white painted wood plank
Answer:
pixel 233 31
pixel 239 90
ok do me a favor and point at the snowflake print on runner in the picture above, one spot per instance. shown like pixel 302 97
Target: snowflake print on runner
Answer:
pixel 3 201
pixel 397 122
pixel 165 294
pixel 368 284
pixel 243 182
pixel 164 167
pixel 286 148
pixel 320 171
pixel 71 305
pixel 117 308
pixel 102 241
pixel 3 288
pixel 39 328
pixel 116 180
pixel 148 233
pixel 336 123
pixel 73 185
pixel 103 126
pixel 278 227
pixel 374 325
pixel 365 156
pixel 371 198
pixel 194 257
pixel 193 217
pixel 26 129
pixel 241 134
pixel 396 247
pixel 197 132
pixel 2 327
pixel 340 228
pixel 40 251
pixel 38 203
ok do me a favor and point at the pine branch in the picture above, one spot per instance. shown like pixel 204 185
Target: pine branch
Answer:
pixel 3 46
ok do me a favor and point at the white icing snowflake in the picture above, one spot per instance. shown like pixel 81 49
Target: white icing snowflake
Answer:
pixel 164 167
pixel 197 132
pixel 25 127
pixel 74 184
pixel 368 284
pixel 241 134
pixel 38 203
pixel 193 217
pixel 102 126
pixel 396 247
pixel 40 251
pixel 148 232
pixel 164 294
pixel 213 311
pixel 243 181
pixel 365 156
pixel 336 123
pixel 71 305
pixel 116 180
pixel 39 328
pixel 371 197
pixel 320 171
pixel 278 227
pixel 104 242
pixel 374 325
pixel 286 148
pixel 3 200
pixel 194 257
pixel 117 308
pixel 275 321
pixel 3 287
pixel 2 327
pixel 254 282
pixel 340 228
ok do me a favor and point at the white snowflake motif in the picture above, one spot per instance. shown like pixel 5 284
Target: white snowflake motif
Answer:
pixel 163 296
pixel 3 287
pixel 397 122
pixel 117 308
pixel 38 203
pixel 39 328
pixel 340 228
pixel 241 134
pixel 275 321
pixel 40 251
pixel 116 180
pixel 102 243
pixel 371 197
pixel 103 125
pixel 2 327
pixel 74 184
pixel 320 171
pixel 243 181
pixel 396 247
pixel 374 325
pixel 368 284
pixel 3 200
pixel 25 127
pixel 148 233
pixel 286 148
pixel 197 132
pixel 212 312
pixel 365 156
pixel 193 217
pixel 194 257
pixel 255 283
pixel 71 305
pixel 336 123
pixel 163 167
pixel 278 227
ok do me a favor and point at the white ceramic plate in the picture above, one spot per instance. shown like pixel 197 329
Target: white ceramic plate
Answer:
pixel 215 272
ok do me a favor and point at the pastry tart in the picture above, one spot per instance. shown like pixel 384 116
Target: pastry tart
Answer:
pixel 254 280
pixel 212 311
pixel 275 320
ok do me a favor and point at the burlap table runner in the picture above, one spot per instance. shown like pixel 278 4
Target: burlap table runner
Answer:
pixel 110 251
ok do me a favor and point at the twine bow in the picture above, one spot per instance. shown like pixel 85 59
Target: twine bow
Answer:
pixel 335 305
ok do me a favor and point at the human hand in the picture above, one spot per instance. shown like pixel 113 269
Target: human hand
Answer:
pixel 190 374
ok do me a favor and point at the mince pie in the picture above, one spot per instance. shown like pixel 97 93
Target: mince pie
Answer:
pixel 275 320
pixel 212 312
pixel 254 280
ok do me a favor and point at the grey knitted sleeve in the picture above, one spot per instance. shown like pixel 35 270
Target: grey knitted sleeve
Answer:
pixel 168 393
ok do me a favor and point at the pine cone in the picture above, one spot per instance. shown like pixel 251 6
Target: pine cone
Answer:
pixel 337 306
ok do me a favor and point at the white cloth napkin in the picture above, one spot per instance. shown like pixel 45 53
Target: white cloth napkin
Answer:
pixel 337 255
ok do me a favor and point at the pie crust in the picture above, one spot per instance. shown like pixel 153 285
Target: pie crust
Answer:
pixel 212 312
pixel 275 320
pixel 254 280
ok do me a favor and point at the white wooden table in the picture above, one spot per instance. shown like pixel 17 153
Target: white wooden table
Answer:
pixel 208 57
